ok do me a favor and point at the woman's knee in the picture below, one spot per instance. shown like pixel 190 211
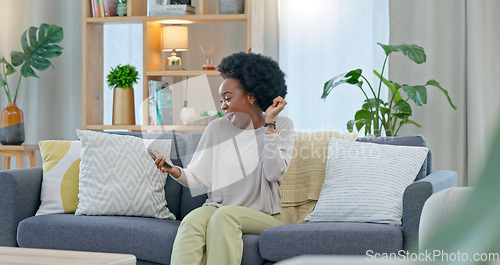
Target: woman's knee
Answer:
pixel 223 215
pixel 196 220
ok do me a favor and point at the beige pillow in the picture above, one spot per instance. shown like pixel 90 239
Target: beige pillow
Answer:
pixel 118 177
pixel 304 178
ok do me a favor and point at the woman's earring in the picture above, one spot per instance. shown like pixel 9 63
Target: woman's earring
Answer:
pixel 251 102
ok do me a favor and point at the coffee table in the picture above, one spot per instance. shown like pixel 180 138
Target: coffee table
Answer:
pixel 31 256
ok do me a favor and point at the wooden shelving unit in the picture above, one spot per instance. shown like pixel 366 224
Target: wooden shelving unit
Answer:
pixel 92 51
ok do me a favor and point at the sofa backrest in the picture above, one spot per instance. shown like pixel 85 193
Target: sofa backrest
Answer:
pixel 188 202
pixel 408 140
pixel 180 200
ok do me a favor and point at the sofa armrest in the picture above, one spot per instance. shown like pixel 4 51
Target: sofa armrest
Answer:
pixel 414 198
pixel 19 199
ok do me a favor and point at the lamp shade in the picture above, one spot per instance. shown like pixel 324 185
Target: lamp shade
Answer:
pixel 174 38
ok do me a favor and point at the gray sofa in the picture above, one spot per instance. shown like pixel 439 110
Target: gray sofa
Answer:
pixel 150 240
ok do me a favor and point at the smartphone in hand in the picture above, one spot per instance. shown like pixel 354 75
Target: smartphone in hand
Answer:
pixel 156 155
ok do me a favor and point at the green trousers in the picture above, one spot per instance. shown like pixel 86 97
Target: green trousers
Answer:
pixel 211 235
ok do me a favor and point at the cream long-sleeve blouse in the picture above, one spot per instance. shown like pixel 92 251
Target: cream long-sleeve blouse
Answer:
pixel 241 167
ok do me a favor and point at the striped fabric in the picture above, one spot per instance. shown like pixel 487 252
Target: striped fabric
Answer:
pixel 61 161
pixel 118 177
pixel 365 182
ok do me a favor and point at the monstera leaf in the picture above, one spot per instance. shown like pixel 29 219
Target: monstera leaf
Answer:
pixel 38 45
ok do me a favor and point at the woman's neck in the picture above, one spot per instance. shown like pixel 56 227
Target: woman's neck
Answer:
pixel 258 120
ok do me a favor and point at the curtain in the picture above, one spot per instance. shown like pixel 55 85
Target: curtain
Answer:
pixel 323 38
pixel 52 105
pixel 461 40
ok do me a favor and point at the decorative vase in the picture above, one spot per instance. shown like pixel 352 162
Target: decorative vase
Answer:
pixel 121 9
pixel 11 125
pixel 231 6
pixel 123 106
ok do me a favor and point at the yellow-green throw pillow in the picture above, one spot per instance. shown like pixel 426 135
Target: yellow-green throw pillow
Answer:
pixel 61 166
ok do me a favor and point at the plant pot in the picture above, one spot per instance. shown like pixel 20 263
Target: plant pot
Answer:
pixel 121 9
pixel 123 106
pixel 231 6
pixel 11 125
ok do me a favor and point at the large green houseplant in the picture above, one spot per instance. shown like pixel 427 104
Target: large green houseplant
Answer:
pixel 38 46
pixel 379 115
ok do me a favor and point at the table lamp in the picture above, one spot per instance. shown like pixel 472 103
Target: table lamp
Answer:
pixel 174 39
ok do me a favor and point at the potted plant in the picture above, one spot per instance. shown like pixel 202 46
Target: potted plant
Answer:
pixel 379 115
pixel 38 47
pixel 122 78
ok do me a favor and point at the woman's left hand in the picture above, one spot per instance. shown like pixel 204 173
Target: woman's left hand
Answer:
pixel 275 108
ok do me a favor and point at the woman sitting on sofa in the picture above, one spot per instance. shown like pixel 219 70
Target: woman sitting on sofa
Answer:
pixel 241 159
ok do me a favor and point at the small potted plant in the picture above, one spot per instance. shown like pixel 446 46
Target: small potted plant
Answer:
pixel 122 78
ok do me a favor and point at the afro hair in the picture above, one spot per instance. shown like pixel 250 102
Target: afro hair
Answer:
pixel 259 75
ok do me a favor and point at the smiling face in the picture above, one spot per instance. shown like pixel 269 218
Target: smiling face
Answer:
pixel 236 102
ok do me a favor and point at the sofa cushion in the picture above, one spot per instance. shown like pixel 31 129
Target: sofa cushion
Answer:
pixel 329 238
pixel 148 239
pixel 251 253
pixel 118 176
pixel 365 182
pixel 173 190
pixel 408 140
pixel 61 166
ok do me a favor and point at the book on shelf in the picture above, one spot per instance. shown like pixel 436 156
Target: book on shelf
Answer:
pixel 110 7
pixel 101 7
pixel 96 11
pixel 160 103
pixel 164 106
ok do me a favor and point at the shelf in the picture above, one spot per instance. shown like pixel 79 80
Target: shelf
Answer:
pixel 215 18
pixel 159 128
pixel 183 73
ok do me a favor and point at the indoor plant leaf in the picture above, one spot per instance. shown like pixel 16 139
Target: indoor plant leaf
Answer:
pixel 32 35
pixel 412 51
pixel 352 77
pixel 362 118
pixel 408 121
pixel 372 103
pixel 417 93
pixel 359 125
pixel 403 107
pixel 435 83
pixel 394 87
pixel 9 67
pixel 37 50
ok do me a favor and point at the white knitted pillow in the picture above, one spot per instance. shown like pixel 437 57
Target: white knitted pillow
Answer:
pixel 365 182
pixel 118 177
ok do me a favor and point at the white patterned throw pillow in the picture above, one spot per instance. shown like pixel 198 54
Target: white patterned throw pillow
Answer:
pixel 118 177
pixel 365 182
